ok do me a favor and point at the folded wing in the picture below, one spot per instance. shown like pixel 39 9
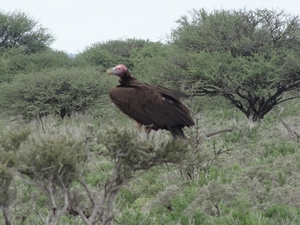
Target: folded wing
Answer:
pixel 155 107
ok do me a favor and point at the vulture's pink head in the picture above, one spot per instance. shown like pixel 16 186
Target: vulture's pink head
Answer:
pixel 119 70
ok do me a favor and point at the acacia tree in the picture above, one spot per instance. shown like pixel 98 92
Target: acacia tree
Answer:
pixel 252 58
pixel 77 169
pixel 62 91
pixel 110 53
pixel 18 30
pixel 129 154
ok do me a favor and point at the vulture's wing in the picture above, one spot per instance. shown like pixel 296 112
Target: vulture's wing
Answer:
pixel 172 93
pixel 148 106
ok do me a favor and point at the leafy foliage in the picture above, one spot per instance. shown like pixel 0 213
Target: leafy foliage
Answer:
pixel 249 57
pixel 111 53
pixel 61 91
pixel 242 185
pixel 53 158
pixel 19 30
pixel 53 154
pixel 14 61
pixel 37 62
pixel 144 155
pixel 10 141
pixel 154 63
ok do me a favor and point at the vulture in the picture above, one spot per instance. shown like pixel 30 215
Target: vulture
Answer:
pixel 153 107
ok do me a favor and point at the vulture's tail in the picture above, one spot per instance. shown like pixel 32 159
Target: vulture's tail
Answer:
pixel 177 132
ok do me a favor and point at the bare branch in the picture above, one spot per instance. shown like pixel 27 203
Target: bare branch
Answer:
pixel 82 216
pixel 218 132
pixel 292 133
pixel 82 182
pixel 45 220
pixel 49 190
pixel 287 99
pixel 6 215
pixel 29 182
pixel 65 192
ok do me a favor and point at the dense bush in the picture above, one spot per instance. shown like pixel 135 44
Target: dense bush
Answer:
pixel 110 53
pixel 55 158
pixel 37 62
pixel 61 91
pixel 19 30
pixel 250 57
pixel 14 61
pixel 149 61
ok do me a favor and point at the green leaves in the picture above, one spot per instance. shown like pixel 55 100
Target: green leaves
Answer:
pixel 141 154
pixel 10 142
pixel 54 152
pixel 111 53
pixel 19 30
pixel 61 91
pixel 251 57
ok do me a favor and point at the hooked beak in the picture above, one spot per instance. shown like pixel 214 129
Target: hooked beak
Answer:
pixel 110 71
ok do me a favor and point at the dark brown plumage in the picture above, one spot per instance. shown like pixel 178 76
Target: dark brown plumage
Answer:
pixel 154 107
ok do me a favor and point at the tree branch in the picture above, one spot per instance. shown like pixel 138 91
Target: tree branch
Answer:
pixel 218 132
pixel 6 215
pixel 82 182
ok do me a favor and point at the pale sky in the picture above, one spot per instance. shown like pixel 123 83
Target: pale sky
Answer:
pixel 77 24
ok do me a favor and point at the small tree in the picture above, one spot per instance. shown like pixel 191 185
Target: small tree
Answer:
pixel 153 63
pixel 52 160
pixel 19 30
pixel 129 154
pixel 58 159
pixel 10 141
pixel 37 62
pixel 252 58
pixel 110 53
pixel 20 37
pixel 62 91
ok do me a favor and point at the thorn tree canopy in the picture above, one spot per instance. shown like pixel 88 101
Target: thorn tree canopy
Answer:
pixel 250 57
pixel 112 52
pixel 19 30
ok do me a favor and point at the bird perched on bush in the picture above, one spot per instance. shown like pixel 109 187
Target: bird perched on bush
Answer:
pixel 153 107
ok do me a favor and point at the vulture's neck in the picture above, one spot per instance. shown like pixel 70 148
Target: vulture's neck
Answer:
pixel 126 81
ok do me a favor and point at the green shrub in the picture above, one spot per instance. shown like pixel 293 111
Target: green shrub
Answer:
pixel 130 217
pixel 15 61
pixel 22 63
pixel 110 53
pixel 279 212
pixel 62 91
pixel 277 149
pixel 127 196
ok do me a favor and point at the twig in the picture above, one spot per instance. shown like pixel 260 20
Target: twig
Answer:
pixel 66 198
pixel 5 211
pixel 291 131
pixel 31 183
pixel 82 182
pixel 218 132
pixel 82 216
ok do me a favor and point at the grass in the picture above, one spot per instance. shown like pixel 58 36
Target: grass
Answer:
pixel 249 176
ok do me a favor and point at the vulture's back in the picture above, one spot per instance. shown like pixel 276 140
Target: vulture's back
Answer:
pixel 153 106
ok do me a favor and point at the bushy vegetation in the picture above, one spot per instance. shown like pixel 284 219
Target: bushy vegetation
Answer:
pixel 250 57
pixel 59 91
pixel 111 52
pixel 20 30
pixel 68 156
